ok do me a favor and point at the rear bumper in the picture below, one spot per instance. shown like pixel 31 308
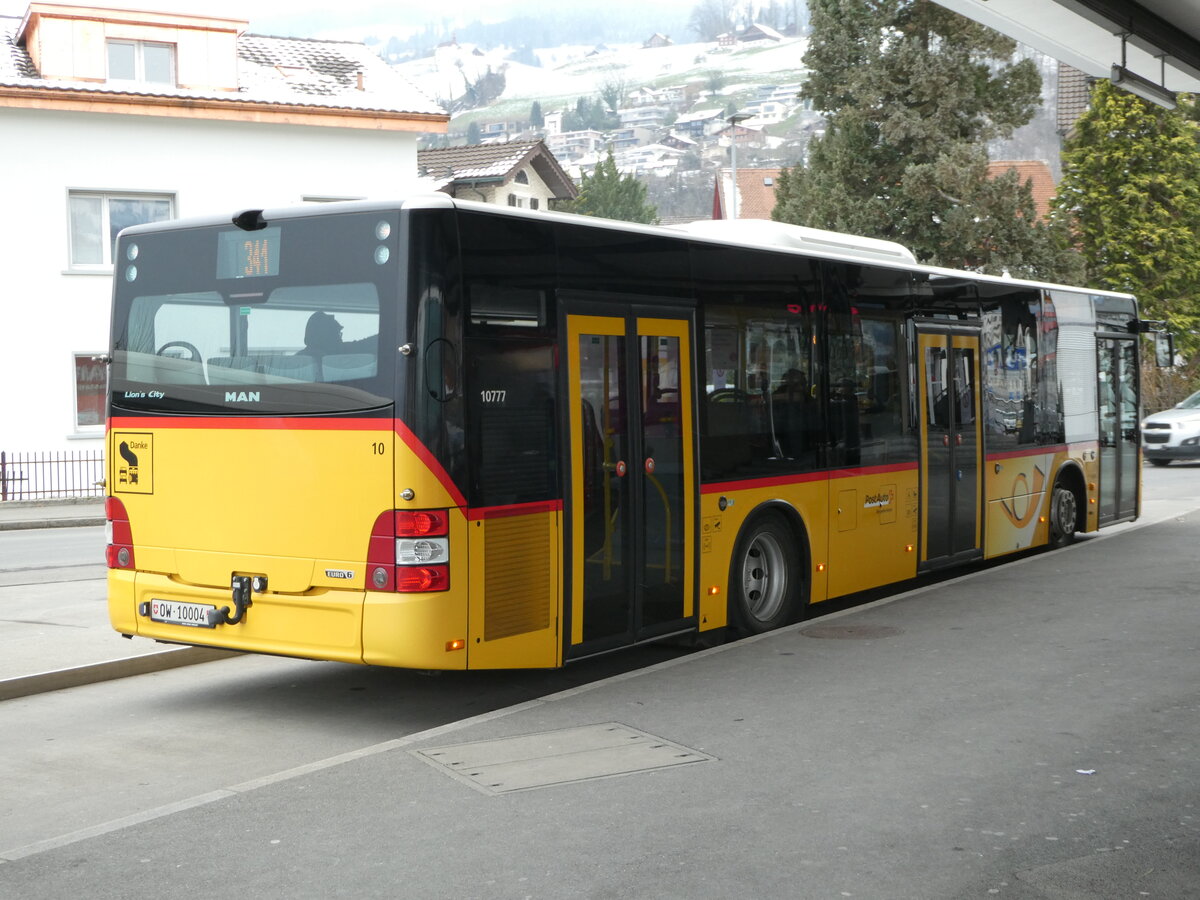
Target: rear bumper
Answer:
pixel 321 624
pixel 403 630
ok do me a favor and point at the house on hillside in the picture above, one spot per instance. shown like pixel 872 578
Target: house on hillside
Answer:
pixel 572 145
pixel 743 135
pixel 755 197
pixel 643 116
pixel 657 40
pixel 665 96
pixel 1034 172
pixel 114 117
pixel 680 142
pixel 700 123
pixel 634 136
pixel 523 174
pixel 491 132
pixel 648 159
pixel 760 34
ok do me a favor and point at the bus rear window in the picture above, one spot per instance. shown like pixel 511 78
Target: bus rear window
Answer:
pixel 314 341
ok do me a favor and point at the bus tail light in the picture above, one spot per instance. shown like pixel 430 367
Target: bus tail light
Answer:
pixel 409 551
pixel 119 535
pixel 422 523
pixel 419 579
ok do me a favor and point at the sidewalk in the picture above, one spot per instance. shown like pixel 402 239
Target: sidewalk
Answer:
pixel 18 514
pixel 51 638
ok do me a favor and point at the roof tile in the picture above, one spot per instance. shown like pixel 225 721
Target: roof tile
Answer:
pixel 274 70
pixel 1036 173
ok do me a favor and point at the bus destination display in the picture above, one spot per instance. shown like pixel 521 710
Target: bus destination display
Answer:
pixel 248 254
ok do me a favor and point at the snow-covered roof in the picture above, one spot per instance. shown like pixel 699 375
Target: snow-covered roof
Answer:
pixel 493 163
pixel 270 70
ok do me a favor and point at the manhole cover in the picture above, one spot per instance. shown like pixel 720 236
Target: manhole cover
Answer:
pixel 531 761
pixel 850 632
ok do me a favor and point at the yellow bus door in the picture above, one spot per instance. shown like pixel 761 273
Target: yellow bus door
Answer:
pixel 951 444
pixel 631 477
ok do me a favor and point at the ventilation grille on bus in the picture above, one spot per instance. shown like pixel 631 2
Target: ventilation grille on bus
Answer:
pixel 517 576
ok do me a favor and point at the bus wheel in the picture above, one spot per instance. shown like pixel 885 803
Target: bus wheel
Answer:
pixel 764 580
pixel 1064 510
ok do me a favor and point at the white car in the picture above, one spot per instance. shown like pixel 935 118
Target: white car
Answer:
pixel 1173 433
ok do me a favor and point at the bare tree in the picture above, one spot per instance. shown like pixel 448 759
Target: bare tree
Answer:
pixel 711 18
pixel 613 91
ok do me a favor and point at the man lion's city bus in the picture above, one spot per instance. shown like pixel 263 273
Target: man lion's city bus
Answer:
pixel 446 435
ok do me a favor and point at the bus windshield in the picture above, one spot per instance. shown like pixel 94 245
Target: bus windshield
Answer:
pixel 196 331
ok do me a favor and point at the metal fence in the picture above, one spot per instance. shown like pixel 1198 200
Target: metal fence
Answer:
pixel 51 476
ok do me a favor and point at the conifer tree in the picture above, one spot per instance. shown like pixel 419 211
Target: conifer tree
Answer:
pixel 1131 192
pixel 611 195
pixel 912 92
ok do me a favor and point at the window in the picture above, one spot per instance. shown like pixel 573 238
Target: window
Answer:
pixel 141 61
pixel 96 218
pixel 91 379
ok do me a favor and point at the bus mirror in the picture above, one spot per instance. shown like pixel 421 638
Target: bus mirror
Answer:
pixel 1164 349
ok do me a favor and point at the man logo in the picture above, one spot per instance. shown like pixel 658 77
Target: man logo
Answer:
pixel 242 397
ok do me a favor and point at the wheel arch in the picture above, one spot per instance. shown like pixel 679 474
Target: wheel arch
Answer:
pixel 1070 475
pixel 799 530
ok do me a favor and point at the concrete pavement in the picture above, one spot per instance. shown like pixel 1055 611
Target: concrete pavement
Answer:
pixel 68 642
pixel 1024 731
pixel 18 514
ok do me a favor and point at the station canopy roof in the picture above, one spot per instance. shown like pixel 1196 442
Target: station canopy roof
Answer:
pixel 1161 37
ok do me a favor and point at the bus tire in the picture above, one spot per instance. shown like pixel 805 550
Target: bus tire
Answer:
pixel 1064 515
pixel 764 577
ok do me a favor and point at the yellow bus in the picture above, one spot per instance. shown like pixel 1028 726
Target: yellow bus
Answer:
pixel 446 435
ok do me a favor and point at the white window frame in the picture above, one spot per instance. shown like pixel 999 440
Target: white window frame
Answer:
pixel 80 430
pixel 106 245
pixel 139 61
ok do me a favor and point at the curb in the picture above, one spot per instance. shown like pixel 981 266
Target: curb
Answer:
pixel 52 523
pixel 27 685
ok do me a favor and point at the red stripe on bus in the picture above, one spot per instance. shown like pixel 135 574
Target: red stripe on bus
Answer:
pixel 783 480
pixel 431 462
pixel 872 470
pixel 775 481
pixel 258 423
pixel 515 509
pixel 1039 451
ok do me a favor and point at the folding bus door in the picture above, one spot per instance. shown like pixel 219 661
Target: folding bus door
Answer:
pixel 951 445
pixel 632 481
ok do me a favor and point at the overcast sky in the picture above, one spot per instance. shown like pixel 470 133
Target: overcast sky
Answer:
pixel 311 18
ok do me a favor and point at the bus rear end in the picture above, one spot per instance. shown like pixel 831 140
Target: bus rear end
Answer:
pixel 253 443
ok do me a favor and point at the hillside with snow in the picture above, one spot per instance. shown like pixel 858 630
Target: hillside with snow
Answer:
pixel 567 73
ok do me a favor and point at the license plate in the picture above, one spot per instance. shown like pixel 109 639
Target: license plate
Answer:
pixel 193 615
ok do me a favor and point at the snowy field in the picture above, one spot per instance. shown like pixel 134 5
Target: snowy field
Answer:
pixel 569 72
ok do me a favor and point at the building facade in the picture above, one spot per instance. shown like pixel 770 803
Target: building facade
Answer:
pixel 112 118
pixel 524 174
